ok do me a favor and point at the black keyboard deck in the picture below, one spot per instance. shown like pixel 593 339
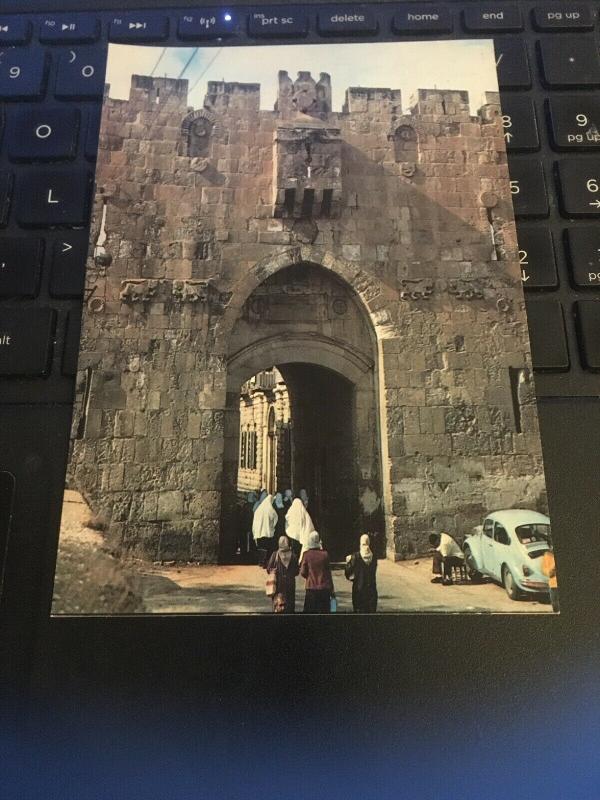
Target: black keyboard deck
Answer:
pixel 51 86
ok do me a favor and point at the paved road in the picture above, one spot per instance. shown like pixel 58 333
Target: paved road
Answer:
pixel 403 587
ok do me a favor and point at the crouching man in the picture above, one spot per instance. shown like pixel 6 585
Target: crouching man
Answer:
pixel 446 554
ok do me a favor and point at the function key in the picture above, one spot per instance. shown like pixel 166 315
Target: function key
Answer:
pixel 22 74
pixel 69 255
pixel 277 22
pixel 140 27
pixel 512 63
pixel 570 61
pixel 52 197
pixel 422 19
pixel 563 18
pixel 43 134
pixel 537 259
pixel 583 254
pixel 549 351
pixel 6 182
pixel 77 28
pixel 210 24
pixel 20 263
pixel 14 30
pixel 501 17
pixel 587 317
pixel 579 187
pixel 344 20
pixel 26 341
pixel 574 122
pixel 81 74
pixel 528 188
pixel 519 123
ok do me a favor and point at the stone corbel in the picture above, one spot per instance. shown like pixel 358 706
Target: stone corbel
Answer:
pixel 138 291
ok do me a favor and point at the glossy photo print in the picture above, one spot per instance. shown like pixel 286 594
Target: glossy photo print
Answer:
pixel 304 380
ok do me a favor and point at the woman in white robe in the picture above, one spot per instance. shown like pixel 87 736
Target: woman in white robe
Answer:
pixel 263 527
pixel 298 524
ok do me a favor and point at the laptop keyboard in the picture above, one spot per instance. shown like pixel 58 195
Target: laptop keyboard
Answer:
pixel 51 87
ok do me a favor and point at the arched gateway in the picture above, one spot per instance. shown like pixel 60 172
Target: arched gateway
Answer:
pixel 310 324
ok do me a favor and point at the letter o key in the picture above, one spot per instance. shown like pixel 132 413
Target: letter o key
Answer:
pixel 43 131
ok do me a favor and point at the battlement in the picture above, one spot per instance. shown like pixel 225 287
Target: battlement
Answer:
pixel 223 95
pixel 158 91
pixel 441 102
pixel 305 95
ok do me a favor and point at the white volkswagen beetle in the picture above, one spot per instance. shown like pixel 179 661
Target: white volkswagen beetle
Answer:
pixel 509 547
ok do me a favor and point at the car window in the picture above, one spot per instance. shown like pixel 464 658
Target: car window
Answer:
pixel 529 534
pixel 500 534
pixel 488 527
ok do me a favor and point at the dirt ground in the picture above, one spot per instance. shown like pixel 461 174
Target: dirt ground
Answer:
pixel 89 580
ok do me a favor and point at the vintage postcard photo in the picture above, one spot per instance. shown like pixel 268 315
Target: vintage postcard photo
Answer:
pixel 304 380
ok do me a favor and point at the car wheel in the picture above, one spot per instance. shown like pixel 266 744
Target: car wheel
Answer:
pixel 512 590
pixel 473 572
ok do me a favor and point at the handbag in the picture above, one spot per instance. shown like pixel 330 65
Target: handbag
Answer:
pixel 271 585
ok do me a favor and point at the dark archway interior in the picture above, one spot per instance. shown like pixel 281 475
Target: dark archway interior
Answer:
pixel 323 451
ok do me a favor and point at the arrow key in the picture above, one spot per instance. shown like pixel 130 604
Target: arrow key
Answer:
pixel 537 258
pixel 519 123
pixel 579 187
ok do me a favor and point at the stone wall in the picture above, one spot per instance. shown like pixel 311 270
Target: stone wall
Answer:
pixel 408 209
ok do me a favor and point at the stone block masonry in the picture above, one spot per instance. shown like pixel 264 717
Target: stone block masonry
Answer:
pixel 377 242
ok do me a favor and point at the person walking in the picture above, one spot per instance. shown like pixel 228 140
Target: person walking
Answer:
pixel 284 565
pixel 298 525
pixel 361 569
pixel 261 497
pixel 288 499
pixel 263 528
pixel 316 571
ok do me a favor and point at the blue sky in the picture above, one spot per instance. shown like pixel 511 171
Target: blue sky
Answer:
pixel 407 66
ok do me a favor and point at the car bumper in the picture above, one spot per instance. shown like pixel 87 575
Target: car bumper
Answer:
pixel 534 586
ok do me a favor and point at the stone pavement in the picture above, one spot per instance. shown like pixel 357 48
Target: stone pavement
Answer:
pixel 403 587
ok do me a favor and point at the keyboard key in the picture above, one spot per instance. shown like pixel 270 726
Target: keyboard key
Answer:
pixel 583 254
pixel 6 185
pixel 93 132
pixel 536 254
pixel 500 17
pixel 75 28
pixel 549 349
pixel 139 27
pixel 26 341
pixel 574 122
pixel 14 30
pixel 278 21
pixel 43 134
pixel 579 187
pixel 528 188
pixel 22 74
pixel 347 20
pixel 422 19
pixel 587 317
pixel 20 266
pixel 570 61
pixel 71 346
pixel 69 256
pixel 512 63
pixel 46 198
pixel 81 74
pixel 210 24
pixel 519 123
pixel 563 18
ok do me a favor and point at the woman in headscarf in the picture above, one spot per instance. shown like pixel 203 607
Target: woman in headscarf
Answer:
pixel 280 509
pixel 263 494
pixel 298 525
pixel 316 571
pixel 284 564
pixel 288 499
pixel 245 528
pixel 263 527
pixel 361 569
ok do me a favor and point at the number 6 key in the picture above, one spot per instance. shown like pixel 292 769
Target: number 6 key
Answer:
pixel 579 187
